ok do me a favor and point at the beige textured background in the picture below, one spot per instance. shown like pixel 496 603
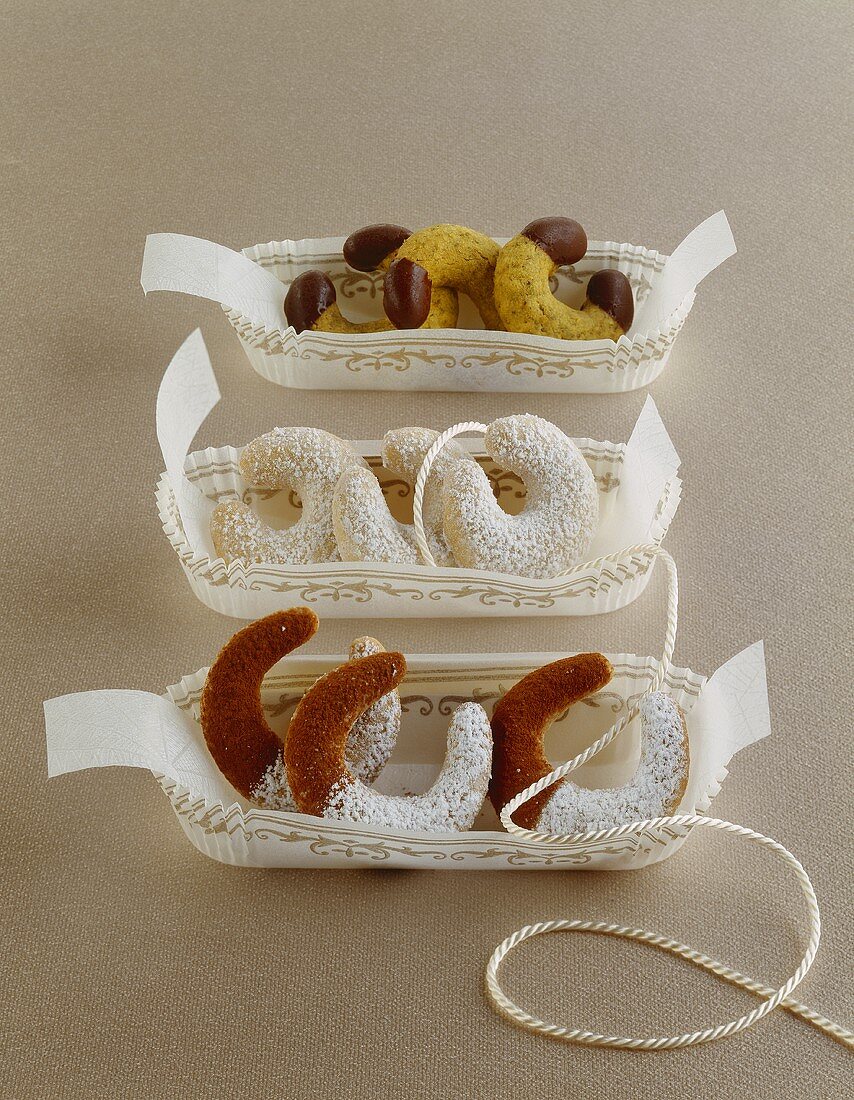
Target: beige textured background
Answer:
pixel 135 967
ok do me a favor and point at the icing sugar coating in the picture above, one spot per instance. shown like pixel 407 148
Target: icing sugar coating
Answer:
pixel 403 452
pixel 451 804
pixel 561 512
pixel 310 462
pixel 365 529
pixel 655 789
pixel 323 784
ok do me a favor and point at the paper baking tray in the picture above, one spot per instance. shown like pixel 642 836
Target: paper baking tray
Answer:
pixel 251 287
pixel 95 729
pixel 639 492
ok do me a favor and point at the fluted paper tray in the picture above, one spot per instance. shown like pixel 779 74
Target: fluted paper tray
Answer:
pixel 251 287
pixel 136 729
pixel 638 495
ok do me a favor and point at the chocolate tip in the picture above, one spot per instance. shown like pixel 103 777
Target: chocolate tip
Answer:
pixel 407 293
pixel 562 239
pixel 309 296
pixel 365 249
pixel 612 292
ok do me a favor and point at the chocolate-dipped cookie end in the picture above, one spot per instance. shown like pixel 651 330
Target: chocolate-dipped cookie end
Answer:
pixel 309 295
pixel 612 292
pixel 365 249
pixel 562 239
pixel 407 294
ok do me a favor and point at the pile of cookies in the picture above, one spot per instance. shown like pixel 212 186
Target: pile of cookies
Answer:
pixel 345 516
pixel 424 272
pixel 346 725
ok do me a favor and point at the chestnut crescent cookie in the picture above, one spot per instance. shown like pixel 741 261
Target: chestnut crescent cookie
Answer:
pixel 440 257
pixel 519 723
pixel 323 784
pixel 247 752
pixel 311 299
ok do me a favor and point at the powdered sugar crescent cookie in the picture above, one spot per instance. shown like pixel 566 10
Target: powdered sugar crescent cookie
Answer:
pixel 519 722
pixel 365 529
pixel 523 296
pixel 306 460
pixel 561 511
pixel 325 786
pixel 311 299
pixel 374 734
pixel 403 452
pixel 247 752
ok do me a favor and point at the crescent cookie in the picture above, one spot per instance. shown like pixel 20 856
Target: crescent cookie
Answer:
pixel 441 256
pixel 311 299
pixel 519 722
pixel 306 460
pixel 247 752
pixel 365 529
pixel 324 785
pixel 524 299
pixel 561 512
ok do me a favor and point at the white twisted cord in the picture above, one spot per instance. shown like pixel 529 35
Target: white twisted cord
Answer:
pixel 773 997
pixel 421 482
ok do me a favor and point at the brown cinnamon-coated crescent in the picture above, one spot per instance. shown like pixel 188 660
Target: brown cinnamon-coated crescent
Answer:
pixel 317 735
pixel 233 722
pixel 520 720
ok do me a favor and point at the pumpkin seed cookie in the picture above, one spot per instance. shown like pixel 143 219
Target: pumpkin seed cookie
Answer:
pixel 311 299
pixel 524 298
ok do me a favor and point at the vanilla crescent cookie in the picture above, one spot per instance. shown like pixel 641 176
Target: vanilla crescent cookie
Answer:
pixel 311 299
pixel 306 460
pixel 561 511
pixel 519 722
pixel 524 298
pixel 325 786
pixel 246 750
pixel 365 529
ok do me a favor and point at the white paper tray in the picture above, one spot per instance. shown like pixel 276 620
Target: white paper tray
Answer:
pixel 98 729
pixel 639 493
pixel 466 358
pixel 382 590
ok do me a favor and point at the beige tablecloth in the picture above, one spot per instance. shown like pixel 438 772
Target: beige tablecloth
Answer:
pixel 134 966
